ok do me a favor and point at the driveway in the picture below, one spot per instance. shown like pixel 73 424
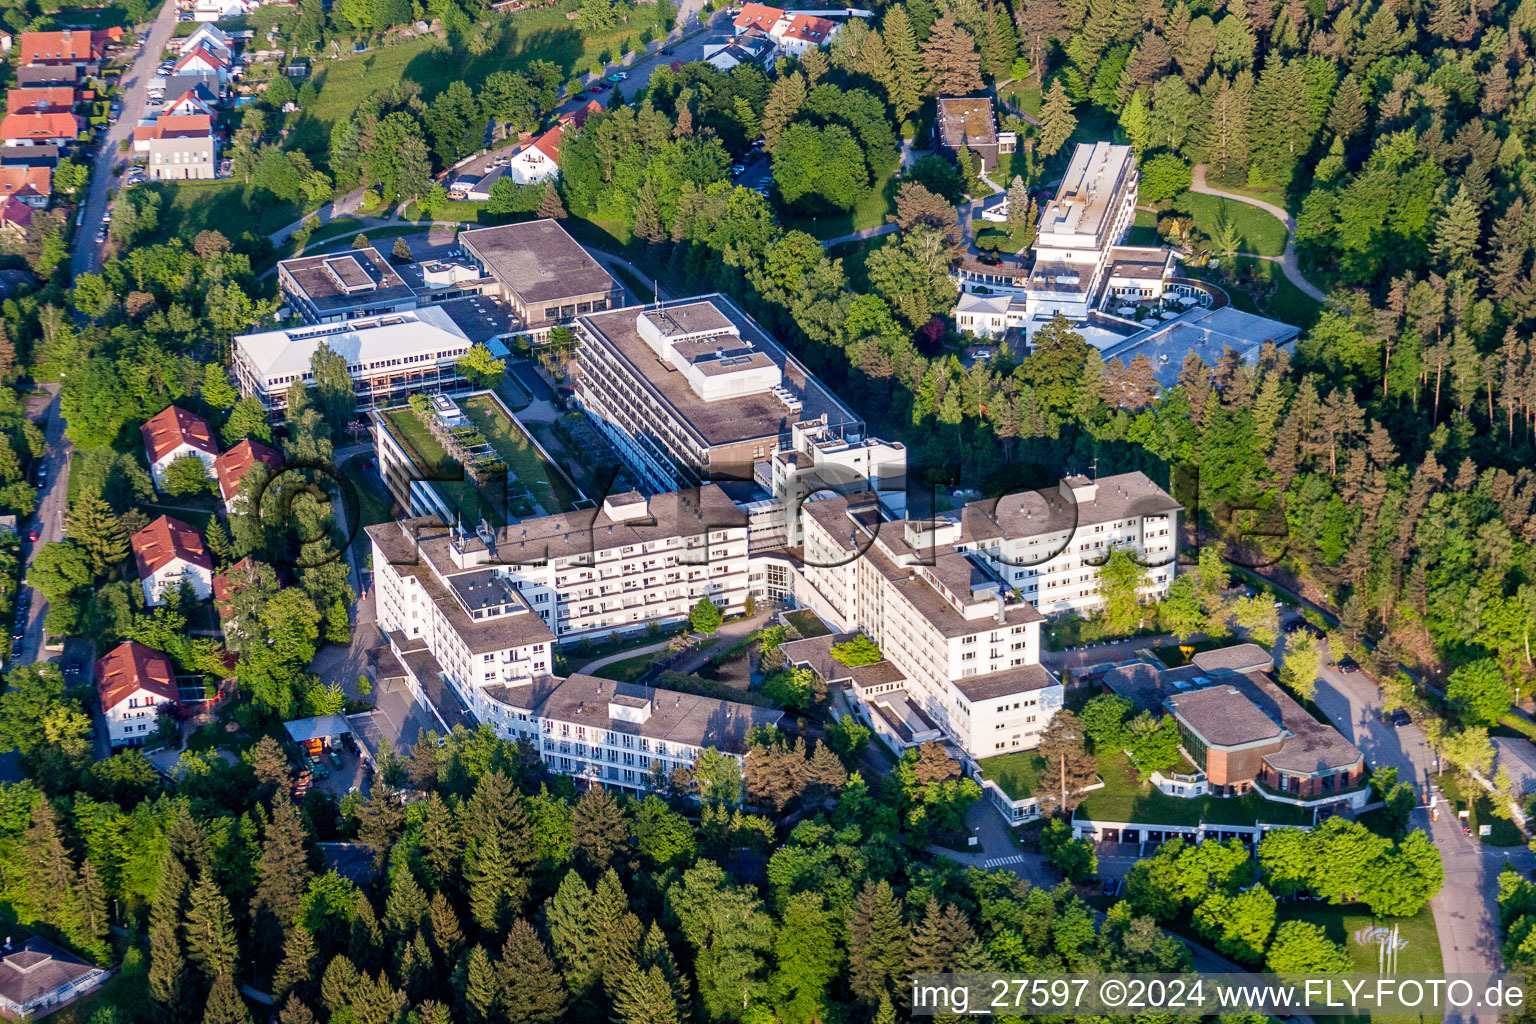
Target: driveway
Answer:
pixel 135 84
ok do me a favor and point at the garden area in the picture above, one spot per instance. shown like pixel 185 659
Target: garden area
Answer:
pixel 1418 943
pixel 1261 287
pixel 1126 798
pixel 549 486
pixel 437 466
pixel 188 207
pixel 1258 232
pixel 1017 774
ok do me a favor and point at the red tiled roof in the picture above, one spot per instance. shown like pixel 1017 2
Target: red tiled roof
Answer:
pixel 579 117
pixel 232 466
pixel 758 16
pixel 130 667
pixel 53 125
pixel 221 592
pixel 549 142
pixel 165 540
pixel 172 427
pixel 213 60
pixel 30 101
pixel 17 179
pixel 15 212
pixel 175 126
pixel 810 29
pixel 67 45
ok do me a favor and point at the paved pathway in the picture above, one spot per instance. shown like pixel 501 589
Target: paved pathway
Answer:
pixel 1288 262
pixel 135 85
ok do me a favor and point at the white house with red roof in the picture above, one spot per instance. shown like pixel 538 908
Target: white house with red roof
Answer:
pixel 51 128
pixel 212 38
pixel 173 433
pixel 169 553
pixel 68 46
pixel 190 103
pixel 42 100
pixel 233 465
pixel 202 61
pixel 30 185
pixel 792 33
pixel 134 683
pixel 578 117
pixel 539 160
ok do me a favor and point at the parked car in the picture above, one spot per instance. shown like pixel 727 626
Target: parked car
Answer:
pixel 32 534
pixel 1347 665
pixel 1111 886
pixel 666 51
pixel 618 76
pixel 1401 717
pixel 101 235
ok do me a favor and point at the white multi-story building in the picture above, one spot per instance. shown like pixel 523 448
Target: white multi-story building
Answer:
pixel 1092 211
pixel 471 627
pixel 593 572
pixel 135 683
pixel 169 553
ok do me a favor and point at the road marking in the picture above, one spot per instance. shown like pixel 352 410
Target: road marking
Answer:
pixel 997 862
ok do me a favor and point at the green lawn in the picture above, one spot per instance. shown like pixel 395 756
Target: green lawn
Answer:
pixel 1503 831
pixel 628 669
pixel 535 34
pixel 1003 240
pixel 447 476
pixel 1018 774
pixel 1275 295
pixel 1143 229
pixel 1026 96
pixel 454 211
pixel 1125 798
pixel 867 213
pixel 1260 233
pixel 1419 955
pixel 548 484
pixel 187 207
pixel 807 623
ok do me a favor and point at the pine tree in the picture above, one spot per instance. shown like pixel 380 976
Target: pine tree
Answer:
pixel 402 250
pixel 551 206
pixel 1018 203
pixel 167 966
pixel 616 932
pixel 365 941
pixel 93 527
pixel 568 916
pixel 210 931
pixel 784 102
pixel 50 872
pixel 1000 44
pixel 908 82
pixel 877 943
pixel 338 984
pixel 224 1003
pixel 89 915
pixel 447 935
pixel 951 60
pixel 598 829
pixel 939 938
pixel 1458 230
pixel 406 906
pixel 479 992
pixel 282 873
pixel 7 354
pixel 1057 122
pixel 532 991
pixel 381 820
pixel 297 969
pixel 1347 116
pixel 645 997
pixel 295 1012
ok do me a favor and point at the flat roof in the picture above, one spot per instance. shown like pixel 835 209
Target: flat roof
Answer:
pixel 538 259
pixel 726 420
pixel 674 717
pixel 1208 333
pixel 365 343
pixel 1223 716
pixel 345 279
pixel 966 120
pixel 1088 189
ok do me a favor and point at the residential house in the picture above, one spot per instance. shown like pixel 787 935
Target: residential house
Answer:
pixel 178 147
pixel 68 46
pixel 233 465
pixel 211 38
pixel 539 160
pixel 55 128
pixel 197 100
pixel 134 684
pixel 172 433
pixel 37 974
pixel 202 61
pixel 220 10
pixel 578 118
pixel 30 185
pixel 169 553
pixel 33 76
pixel 791 32
pixel 40 100
pixel 15 216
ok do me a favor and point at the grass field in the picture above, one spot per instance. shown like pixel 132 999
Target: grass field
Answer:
pixel 1143 229
pixel 1419 955
pixel 187 207
pixel 455 211
pixel 1125 798
pixel 1260 233
pixel 1001 239
pixel 447 476
pixel 1502 831
pixel 547 483
pixel 868 213
pixel 1018 774
pixel 432 63
pixel 1263 288
pixel 628 669
pixel 807 623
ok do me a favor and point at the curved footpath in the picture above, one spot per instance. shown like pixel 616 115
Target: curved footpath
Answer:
pixel 1288 262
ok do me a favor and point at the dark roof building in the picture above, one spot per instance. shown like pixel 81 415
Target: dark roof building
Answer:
pixel 967 122
pixel 541 271
pixel 38 974
pixel 343 286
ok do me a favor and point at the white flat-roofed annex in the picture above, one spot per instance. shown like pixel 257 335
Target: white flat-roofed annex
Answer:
pixel 1076 218
pixel 366 343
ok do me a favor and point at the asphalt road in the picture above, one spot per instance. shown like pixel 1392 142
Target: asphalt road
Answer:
pixel 135 82
pixel 49 520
